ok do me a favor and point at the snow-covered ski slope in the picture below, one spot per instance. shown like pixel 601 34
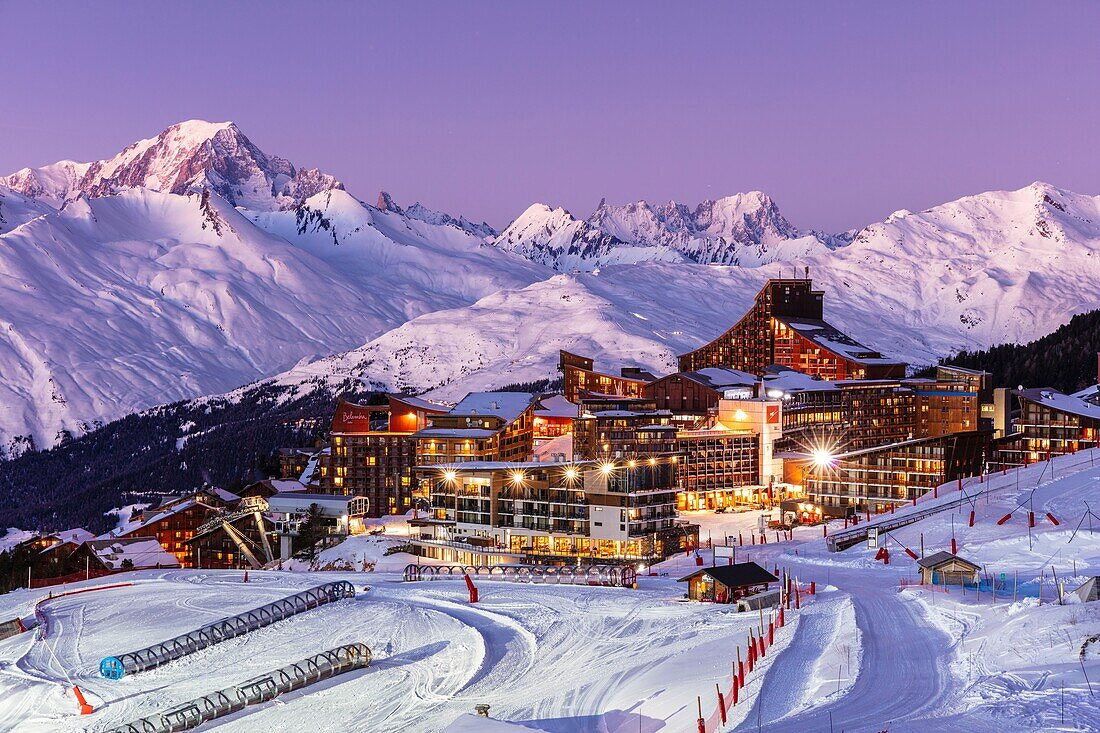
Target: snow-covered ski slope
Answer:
pixel 572 658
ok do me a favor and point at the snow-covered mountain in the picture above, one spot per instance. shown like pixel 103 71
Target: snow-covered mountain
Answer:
pixel 745 229
pixel 16 209
pixel 422 213
pixel 194 262
pixel 113 303
pixel 186 157
pixel 1005 266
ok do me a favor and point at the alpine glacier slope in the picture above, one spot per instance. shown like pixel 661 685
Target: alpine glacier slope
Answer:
pixel 148 297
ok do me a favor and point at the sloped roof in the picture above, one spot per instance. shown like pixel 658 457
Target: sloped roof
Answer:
pixel 505 405
pixel 1055 400
pixel 419 404
pixel 943 557
pixel 833 339
pixel 555 405
pixel 143 552
pixel 719 378
pixel 736 575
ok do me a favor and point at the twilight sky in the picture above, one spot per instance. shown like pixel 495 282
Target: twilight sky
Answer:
pixel 842 111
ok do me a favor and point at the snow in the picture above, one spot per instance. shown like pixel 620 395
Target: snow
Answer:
pixel 1069 404
pixel 555 406
pixel 506 405
pixel 566 658
pixel 561 658
pixel 13 537
pixel 155 297
pixel 142 552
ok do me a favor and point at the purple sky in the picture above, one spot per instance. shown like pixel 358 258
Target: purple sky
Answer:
pixel 843 112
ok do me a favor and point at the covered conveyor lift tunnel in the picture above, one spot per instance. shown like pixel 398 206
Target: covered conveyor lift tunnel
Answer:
pixel 150 657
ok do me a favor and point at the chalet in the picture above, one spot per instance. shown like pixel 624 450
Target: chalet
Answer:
pixel 728 583
pixel 174 522
pixel 126 553
pixel 64 544
pixel 943 568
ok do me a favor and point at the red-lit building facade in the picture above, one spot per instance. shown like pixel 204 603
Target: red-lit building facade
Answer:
pixel 373 451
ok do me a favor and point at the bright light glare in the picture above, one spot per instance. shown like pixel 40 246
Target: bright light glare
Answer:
pixel 607 468
pixel 450 475
pixel 518 477
pixel 571 473
pixel 822 457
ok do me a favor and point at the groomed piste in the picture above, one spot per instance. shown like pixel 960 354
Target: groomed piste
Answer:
pixel 150 657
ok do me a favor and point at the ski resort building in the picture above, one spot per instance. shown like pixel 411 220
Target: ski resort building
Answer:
pixel 1049 423
pixel 943 568
pixel 174 523
pixel 125 553
pixel 697 393
pixel 493 512
pixel 483 426
pixel 554 417
pixel 786 326
pixel 728 583
pixel 875 478
pixel 373 451
pixel 580 380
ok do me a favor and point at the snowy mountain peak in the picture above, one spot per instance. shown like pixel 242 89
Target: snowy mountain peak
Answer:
pixel 743 229
pixel 185 157
pixel 386 203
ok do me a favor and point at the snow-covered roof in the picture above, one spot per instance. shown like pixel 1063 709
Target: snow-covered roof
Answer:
pixel 158 515
pixel 419 403
pixel 143 552
pixel 943 557
pixel 790 380
pixel 836 341
pixel 561 445
pixel 76 536
pixel 283 486
pixel 555 406
pixel 1089 394
pixel 1055 400
pixel 505 405
pixel 225 495
pixel 721 377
